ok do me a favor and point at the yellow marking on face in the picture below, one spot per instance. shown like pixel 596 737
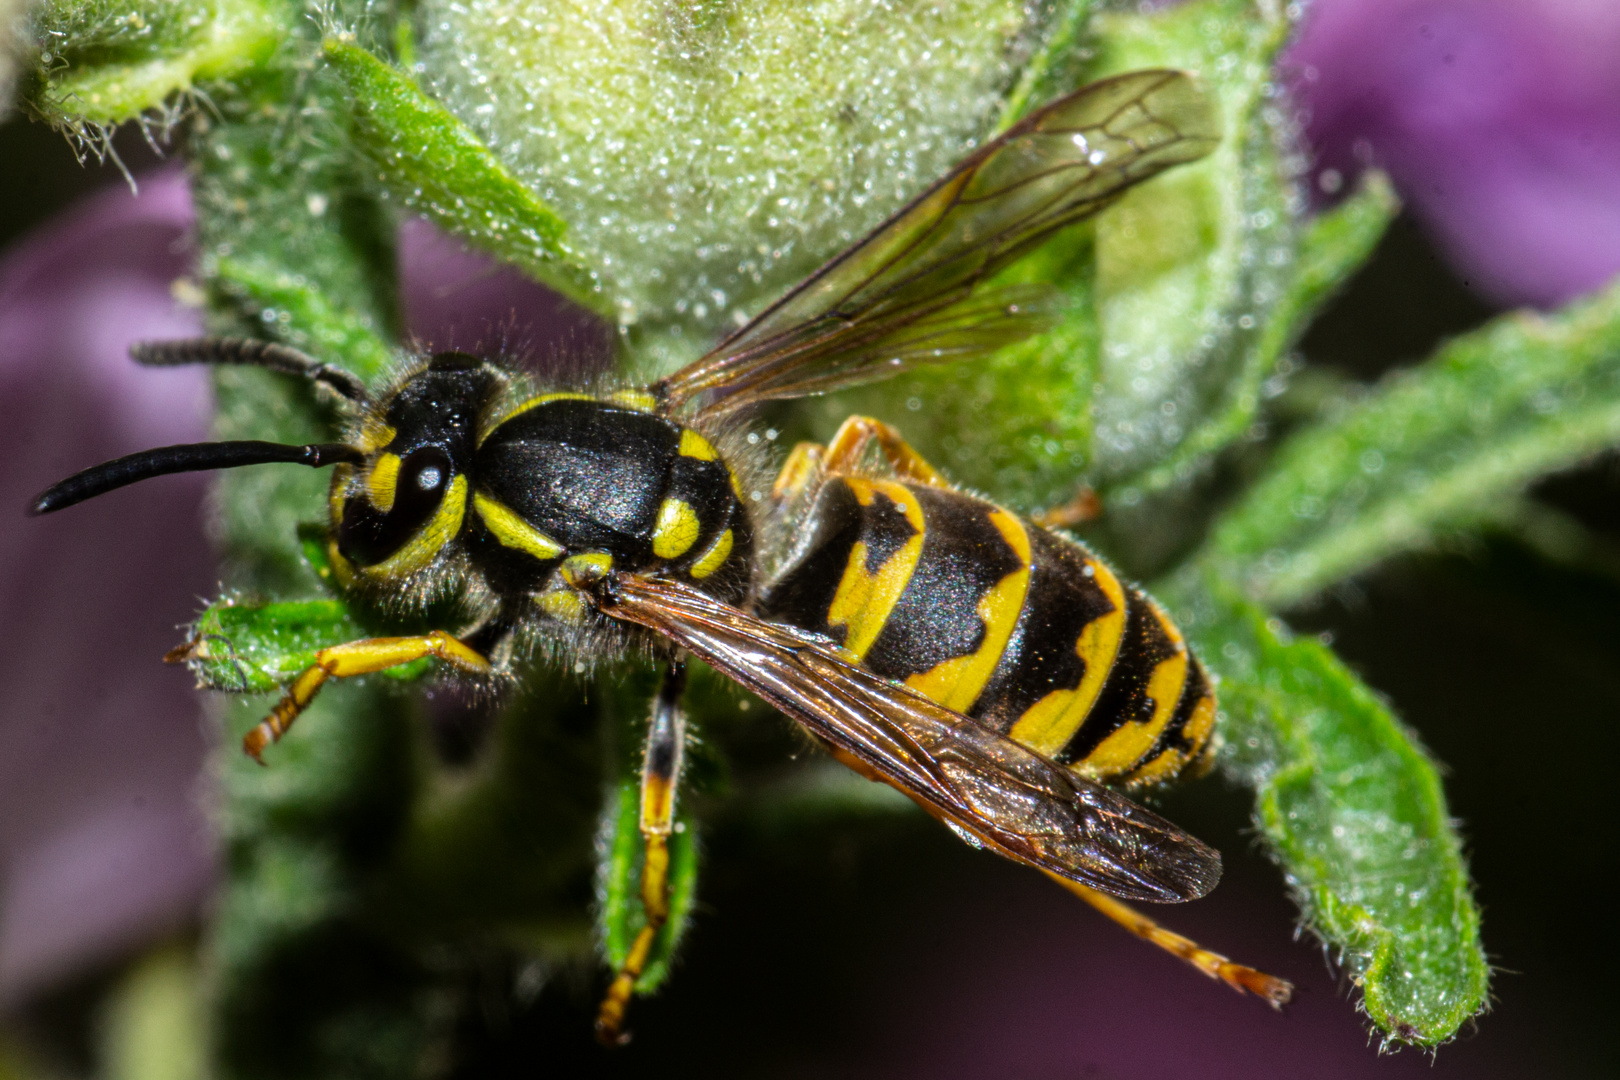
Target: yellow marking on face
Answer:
pixel 1048 725
pixel 562 603
pixel 582 570
pixel 1127 745
pixel 676 530
pixel 428 541
pixel 956 683
pixel 382 480
pixel 694 445
pixel 513 532
pixel 639 400
pixel 714 558
pixel 864 601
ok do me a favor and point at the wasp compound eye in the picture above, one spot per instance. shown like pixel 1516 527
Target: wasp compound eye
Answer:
pixel 400 499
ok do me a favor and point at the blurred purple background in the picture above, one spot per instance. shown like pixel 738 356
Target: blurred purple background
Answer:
pixel 1500 123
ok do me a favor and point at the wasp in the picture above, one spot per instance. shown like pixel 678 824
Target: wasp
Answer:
pixel 996 671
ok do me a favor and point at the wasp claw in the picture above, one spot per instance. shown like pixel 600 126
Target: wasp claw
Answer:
pixel 182 652
pixel 254 742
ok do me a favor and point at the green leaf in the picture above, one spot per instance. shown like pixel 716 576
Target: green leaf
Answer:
pixel 620 915
pixel 1191 269
pixel 434 164
pixel 625 694
pixel 152 1028
pixel 302 314
pixel 1352 807
pixel 708 156
pixel 103 62
pixel 1429 452
pixel 1334 244
pixel 1056 66
pixel 258 648
pixel 1169 299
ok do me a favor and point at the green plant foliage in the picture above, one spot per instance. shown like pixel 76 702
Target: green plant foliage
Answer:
pixel 1173 303
pixel 1353 809
pixel 1430 452
pixel 619 913
pixel 436 166
pixel 708 155
pixel 675 168
pixel 103 62
pixel 257 649
pixel 1332 246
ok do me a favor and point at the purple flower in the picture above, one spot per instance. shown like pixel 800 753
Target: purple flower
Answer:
pixel 1499 121
pixel 103 830
pixel 102 841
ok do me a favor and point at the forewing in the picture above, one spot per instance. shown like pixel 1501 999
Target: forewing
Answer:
pixel 892 300
pixel 1009 798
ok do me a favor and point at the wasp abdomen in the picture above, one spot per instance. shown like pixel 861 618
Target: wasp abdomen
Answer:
pixel 1027 632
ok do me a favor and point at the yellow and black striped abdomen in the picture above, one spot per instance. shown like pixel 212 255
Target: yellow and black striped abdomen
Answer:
pixel 1027 632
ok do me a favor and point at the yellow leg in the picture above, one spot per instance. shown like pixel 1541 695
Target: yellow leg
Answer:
pixel 355 658
pixel 802 468
pixel 855 435
pixel 1085 506
pixel 660 774
pixel 1275 991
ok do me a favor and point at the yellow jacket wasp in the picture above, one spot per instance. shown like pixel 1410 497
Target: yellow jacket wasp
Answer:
pixel 998 673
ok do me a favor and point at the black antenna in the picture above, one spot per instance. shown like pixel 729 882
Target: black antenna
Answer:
pixel 247 351
pixel 188 457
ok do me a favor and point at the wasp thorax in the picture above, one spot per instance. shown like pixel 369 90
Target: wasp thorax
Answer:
pixel 570 474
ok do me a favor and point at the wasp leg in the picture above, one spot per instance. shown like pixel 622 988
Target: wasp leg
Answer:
pixel 1275 991
pixel 355 658
pixel 853 437
pixel 660 773
pixel 1085 506
pixel 801 470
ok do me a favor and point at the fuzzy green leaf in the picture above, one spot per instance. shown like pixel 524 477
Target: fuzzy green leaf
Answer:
pixel 101 63
pixel 1431 451
pixel 249 648
pixel 620 915
pixel 1334 244
pixel 1352 807
pixel 434 164
pixel 1190 272
pixel 1167 299
pixel 707 156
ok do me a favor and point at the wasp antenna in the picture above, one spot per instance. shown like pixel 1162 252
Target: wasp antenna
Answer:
pixel 250 352
pixel 188 457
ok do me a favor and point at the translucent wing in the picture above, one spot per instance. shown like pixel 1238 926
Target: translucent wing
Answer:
pixel 904 294
pixel 989 787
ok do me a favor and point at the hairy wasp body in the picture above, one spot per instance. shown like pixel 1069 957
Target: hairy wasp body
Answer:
pixel 998 673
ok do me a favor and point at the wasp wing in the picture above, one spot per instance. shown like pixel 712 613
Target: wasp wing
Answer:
pixel 983 784
pixel 903 295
